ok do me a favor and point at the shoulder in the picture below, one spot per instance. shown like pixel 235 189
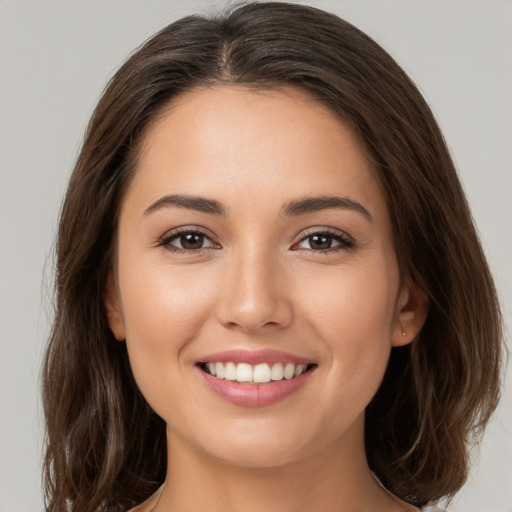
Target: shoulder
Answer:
pixel 431 508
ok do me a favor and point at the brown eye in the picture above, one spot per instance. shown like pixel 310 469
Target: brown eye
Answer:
pixel 191 241
pixel 186 241
pixel 325 242
pixel 319 242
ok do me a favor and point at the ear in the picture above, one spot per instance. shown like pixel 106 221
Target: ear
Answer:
pixel 412 311
pixel 113 308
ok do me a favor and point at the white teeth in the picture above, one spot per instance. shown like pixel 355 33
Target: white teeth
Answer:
pixel 277 372
pixel 299 370
pixel 243 372
pixel 230 371
pixel 289 371
pixel 219 370
pixel 260 373
pixel 212 368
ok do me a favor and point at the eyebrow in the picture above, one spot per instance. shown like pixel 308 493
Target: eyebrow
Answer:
pixel 291 209
pixel 315 204
pixel 200 204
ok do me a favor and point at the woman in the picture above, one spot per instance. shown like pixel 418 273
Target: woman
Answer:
pixel 270 292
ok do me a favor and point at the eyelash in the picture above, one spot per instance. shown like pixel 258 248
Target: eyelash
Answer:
pixel 174 235
pixel 343 239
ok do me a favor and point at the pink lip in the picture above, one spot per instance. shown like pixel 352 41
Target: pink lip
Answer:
pixel 254 357
pixel 254 395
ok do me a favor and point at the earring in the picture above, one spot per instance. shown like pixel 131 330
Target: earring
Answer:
pixel 403 330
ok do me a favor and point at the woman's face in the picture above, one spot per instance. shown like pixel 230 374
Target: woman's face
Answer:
pixel 254 242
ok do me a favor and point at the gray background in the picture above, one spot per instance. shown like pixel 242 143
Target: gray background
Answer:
pixel 55 57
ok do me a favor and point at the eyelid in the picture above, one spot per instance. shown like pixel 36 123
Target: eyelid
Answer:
pixel 166 239
pixel 345 240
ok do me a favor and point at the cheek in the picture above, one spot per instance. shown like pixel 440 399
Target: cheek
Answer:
pixel 161 298
pixel 352 300
pixel 352 312
pixel 163 309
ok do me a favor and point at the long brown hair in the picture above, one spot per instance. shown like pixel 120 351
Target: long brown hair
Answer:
pixel 106 449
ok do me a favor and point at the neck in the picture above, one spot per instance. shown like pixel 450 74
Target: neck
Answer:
pixel 336 479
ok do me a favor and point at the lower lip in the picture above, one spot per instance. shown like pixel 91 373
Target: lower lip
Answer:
pixel 254 395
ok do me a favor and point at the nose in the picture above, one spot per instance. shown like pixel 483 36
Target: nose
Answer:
pixel 255 298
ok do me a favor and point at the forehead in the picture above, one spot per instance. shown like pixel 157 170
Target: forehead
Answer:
pixel 231 142
pixel 212 117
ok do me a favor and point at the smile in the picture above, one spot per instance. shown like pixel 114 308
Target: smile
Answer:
pixel 255 378
pixel 261 373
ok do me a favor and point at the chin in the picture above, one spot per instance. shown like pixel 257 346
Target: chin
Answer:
pixel 256 456
pixel 264 444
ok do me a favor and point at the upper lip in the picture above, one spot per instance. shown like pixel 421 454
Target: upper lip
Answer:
pixel 254 357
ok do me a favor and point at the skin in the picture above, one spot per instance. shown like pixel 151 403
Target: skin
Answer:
pixel 257 282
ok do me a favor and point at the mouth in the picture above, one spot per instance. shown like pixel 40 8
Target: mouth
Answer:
pixel 255 378
pixel 256 374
